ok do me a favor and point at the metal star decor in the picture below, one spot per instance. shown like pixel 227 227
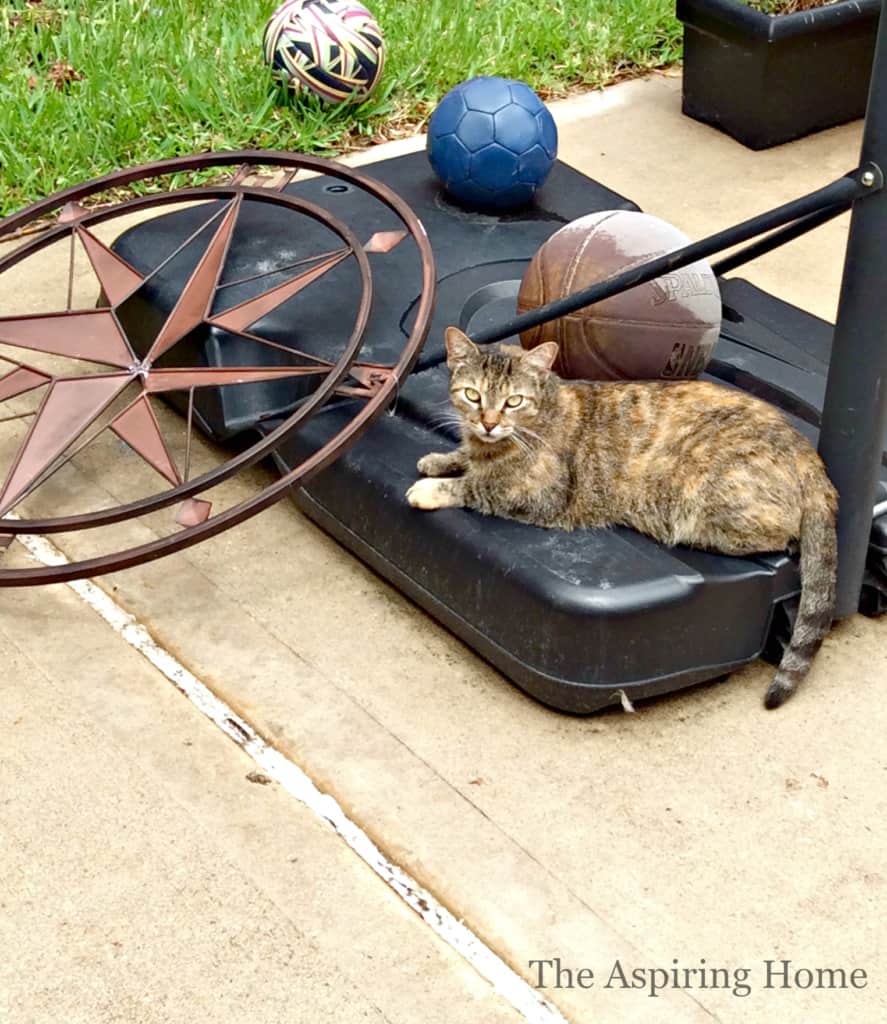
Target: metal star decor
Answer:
pixel 72 404
pixel 76 408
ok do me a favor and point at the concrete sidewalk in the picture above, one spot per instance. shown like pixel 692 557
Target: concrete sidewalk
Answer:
pixel 150 875
pixel 146 879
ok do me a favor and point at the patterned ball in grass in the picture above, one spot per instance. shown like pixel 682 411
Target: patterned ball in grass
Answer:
pixel 492 142
pixel 332 48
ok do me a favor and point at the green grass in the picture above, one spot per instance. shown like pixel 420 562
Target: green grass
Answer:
pixel 161 78
pixel 786 6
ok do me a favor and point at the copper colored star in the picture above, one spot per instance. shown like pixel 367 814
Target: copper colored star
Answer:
pixel 75 408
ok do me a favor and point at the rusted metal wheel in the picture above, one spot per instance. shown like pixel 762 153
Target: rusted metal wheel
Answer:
pixel 117 391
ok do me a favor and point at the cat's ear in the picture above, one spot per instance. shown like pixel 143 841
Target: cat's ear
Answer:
pixel 459 346
pixel 541 357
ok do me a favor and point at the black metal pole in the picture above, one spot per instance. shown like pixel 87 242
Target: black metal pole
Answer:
pixel 842 191
pixel 854 416
pixel 777 238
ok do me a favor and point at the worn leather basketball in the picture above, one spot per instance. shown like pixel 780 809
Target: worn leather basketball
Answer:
pixel 664 329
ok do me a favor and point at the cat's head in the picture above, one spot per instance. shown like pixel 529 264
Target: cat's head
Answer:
pixel 497 390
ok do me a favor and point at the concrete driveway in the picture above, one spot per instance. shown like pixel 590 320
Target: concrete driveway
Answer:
pixel 231 792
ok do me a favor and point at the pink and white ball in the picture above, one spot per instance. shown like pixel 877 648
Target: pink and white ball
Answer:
pixel 331 48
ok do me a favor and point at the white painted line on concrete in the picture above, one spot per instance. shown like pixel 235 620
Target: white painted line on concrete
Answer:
pixel 526 1000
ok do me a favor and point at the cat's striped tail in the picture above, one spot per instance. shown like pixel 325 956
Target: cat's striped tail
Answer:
pixel 819 562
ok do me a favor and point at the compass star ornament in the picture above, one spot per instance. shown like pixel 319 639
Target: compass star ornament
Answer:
pixel 72 404
pixel 76 408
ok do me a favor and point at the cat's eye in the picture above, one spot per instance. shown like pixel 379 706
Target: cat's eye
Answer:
pixel 513 401
pixel 472 395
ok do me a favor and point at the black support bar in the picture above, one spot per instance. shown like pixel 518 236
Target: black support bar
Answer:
pixel 854 416
pixel 840 192
pixel 777 238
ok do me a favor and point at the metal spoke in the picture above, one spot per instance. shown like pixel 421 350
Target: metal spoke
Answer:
pixel 286 178
pixel 242 172
pixel 70 298
pixel 246 170
pixel 298 353
pixel 245 313
pixel 283 269
pixel 188 435
pixel 215 215
pixel 18 416
pixel 195 299
pixel 182 378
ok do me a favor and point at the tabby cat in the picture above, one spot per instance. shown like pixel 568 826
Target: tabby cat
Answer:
pixel 685 462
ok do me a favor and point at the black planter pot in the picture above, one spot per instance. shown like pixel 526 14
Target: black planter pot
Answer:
pixel 768 79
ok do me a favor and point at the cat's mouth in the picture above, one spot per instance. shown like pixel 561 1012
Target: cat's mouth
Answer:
pixel 491 437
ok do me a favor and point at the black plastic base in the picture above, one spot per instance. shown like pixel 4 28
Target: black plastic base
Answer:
pixel 571 618
pixel 766 80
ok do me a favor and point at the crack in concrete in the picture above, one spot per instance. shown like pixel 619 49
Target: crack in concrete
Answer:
pixel 528 1002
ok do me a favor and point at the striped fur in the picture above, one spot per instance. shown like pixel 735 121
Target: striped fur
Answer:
pixel 686 462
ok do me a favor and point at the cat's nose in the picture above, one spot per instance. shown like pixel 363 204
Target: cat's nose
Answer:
pixel 489 427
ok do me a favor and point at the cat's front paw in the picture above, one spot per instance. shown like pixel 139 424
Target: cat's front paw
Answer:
pixel 439 464
pixel 432 493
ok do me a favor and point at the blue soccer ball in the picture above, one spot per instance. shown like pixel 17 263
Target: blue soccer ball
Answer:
pixel 492 142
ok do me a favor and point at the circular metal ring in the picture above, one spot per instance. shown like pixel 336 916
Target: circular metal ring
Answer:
pixel 374 404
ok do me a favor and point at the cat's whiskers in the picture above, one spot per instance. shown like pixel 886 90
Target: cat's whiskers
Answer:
pixel 537 438
pixel 445 420
pixel 521 442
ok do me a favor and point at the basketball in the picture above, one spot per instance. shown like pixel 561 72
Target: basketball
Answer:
pixel 665 329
